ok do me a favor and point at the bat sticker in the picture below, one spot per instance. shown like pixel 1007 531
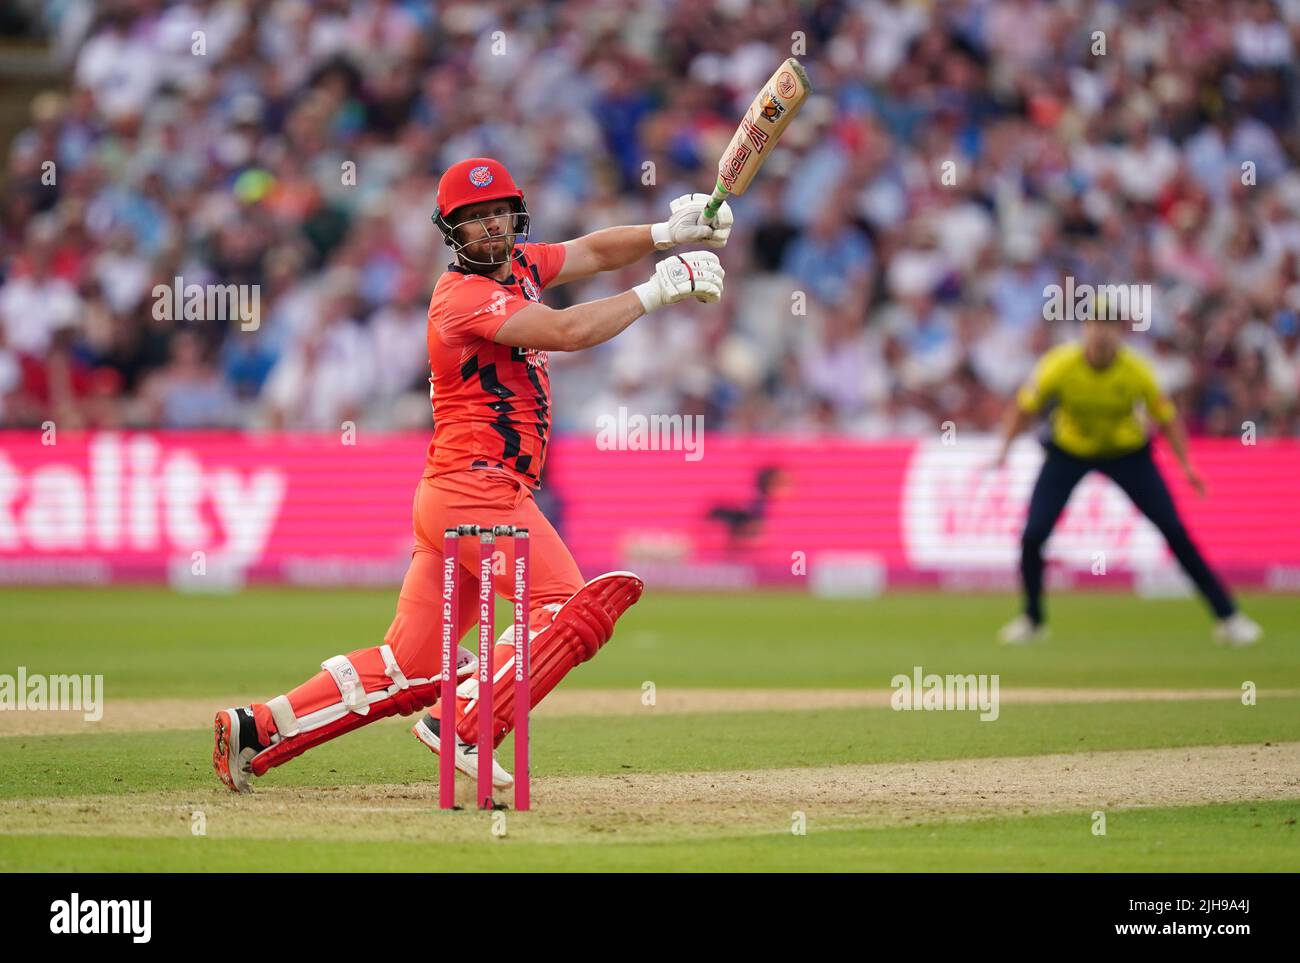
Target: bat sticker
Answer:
pixel 772 108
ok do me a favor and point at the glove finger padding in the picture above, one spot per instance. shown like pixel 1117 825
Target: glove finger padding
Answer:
pixel 704 234
pixel 707 276
pixel 703 275
pixel 720 227
pixel 722 220
pixel 707 292
pixel 696 274
pixel 686 224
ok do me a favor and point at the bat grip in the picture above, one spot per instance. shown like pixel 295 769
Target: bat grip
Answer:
pixel 715 202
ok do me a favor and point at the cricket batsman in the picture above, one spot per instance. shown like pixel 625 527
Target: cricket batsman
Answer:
pixel 488 336
pixel 1094 388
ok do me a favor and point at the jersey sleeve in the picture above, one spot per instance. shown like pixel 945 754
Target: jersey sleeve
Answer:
pixel 1042 384
pixel 1158 406
pixel 549 259
pixel 476 309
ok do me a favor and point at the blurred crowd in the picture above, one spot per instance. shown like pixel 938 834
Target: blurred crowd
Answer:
pixel 886 272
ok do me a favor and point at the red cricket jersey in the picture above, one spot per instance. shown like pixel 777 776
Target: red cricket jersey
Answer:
pixel 491 402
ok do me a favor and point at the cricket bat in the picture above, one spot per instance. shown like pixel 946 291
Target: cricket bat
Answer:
pixel 764 122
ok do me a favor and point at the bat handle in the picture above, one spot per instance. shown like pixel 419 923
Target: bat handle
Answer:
pixel 715 202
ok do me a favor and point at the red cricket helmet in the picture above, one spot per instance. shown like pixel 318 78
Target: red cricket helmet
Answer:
pixel 468 182
pixel 472 180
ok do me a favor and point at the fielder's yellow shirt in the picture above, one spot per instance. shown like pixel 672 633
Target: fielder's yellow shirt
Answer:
pixel 1096 413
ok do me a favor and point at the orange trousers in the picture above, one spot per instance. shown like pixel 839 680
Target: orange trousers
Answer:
pixel 488 497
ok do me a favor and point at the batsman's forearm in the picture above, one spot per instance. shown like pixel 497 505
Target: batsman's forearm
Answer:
pixel 616 247
pixel 595 322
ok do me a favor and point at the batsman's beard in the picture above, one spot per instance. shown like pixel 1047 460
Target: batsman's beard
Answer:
pixel 484 248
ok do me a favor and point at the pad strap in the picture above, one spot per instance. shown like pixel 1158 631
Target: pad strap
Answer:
pixel 286 723
pixel 349 682
pixel 391 668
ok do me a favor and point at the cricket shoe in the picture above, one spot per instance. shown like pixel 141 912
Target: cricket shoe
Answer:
pixel 427 731
pixel 1022 630
pixel 1237 630
pixel 234 744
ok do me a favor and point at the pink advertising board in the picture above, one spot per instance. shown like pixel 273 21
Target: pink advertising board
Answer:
pixel 833 513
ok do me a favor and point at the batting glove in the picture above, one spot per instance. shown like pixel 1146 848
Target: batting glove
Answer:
pixel 697 274
pixel 685 226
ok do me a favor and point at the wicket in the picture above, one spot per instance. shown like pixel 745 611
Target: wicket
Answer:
pixel 486 677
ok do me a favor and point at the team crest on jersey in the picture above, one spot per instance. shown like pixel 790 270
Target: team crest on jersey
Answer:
pixel 481 176
pixel 530 289
pixel 530 356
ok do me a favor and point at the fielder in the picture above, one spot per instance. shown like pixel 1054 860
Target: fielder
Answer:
pixel 488 336
pixel 1095 387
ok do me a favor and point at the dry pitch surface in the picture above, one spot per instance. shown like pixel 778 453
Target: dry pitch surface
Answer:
pixel 680 805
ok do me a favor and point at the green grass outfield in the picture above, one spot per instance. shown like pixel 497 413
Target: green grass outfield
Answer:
pixel 713 789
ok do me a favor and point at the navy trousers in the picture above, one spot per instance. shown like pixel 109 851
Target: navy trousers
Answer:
pixel 1137 475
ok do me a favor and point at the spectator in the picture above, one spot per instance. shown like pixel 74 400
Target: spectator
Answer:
pixel 300 152
pixel 188 391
